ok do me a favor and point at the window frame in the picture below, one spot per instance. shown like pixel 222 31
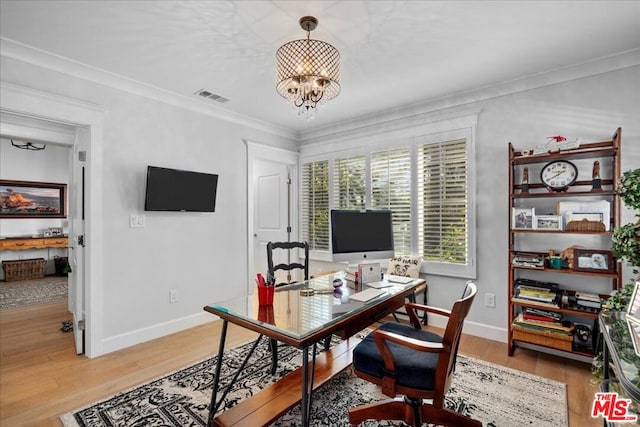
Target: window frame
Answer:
pixel 452 128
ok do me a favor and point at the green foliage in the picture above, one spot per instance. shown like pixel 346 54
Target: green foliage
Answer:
pixel 629 188
pixel 626 244
pixel 620 299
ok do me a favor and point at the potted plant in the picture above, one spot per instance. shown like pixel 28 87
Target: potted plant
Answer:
pixel 626 247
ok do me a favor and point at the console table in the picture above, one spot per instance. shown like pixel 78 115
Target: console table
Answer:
pixel 23 243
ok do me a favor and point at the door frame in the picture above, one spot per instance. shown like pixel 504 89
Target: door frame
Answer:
pixel 39 105
pixel 258 151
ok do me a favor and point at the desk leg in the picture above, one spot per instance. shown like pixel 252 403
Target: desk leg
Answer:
pixel 216 380
pixel 307 384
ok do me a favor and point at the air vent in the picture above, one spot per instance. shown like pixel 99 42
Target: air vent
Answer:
pixel 213 96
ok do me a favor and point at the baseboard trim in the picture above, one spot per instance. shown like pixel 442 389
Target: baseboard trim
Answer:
pixel 139 336
pixel 474 328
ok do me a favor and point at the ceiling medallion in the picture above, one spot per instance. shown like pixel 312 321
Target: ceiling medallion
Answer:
pixel 307 71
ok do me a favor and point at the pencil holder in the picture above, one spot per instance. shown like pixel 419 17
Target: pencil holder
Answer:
pixel 266 314
pixel 265 295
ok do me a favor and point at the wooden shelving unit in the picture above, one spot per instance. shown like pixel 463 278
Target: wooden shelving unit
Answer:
pixel 535 194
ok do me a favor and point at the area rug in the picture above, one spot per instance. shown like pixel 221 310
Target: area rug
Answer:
pixel 497 396
pixel 35 291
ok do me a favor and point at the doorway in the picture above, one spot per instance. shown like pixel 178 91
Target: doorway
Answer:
pixel 272 202
pixel 21 111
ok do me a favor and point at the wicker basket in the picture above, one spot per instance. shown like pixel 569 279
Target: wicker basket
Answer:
pixel 548 339
pixel 23 269
pixel 585 225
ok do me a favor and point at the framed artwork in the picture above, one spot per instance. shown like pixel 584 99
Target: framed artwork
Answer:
pixel 592 260
pixel 30 199
pixel 522 218
pixel 547 222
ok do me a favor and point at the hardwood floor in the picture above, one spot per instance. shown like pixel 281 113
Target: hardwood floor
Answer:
pixel 41 377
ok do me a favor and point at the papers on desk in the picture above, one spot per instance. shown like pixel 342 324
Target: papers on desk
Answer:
pixel 366 295
pixel 378 285
pixel 399 279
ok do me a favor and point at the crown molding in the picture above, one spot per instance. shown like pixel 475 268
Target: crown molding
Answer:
pixel 30 55
pixel 422 110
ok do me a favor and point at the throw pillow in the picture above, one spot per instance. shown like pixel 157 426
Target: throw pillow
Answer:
pixel 407 266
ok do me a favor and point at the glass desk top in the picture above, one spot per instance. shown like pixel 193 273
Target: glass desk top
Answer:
pixel 616 332
pixel 297 314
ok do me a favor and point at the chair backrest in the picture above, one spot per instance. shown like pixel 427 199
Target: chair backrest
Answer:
pixel 451 337
pixel 289 265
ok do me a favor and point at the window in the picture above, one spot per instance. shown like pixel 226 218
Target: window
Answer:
pixel 442 202
pixel 391 189
pixel 315 204
pixel 349 183
pixel 427 182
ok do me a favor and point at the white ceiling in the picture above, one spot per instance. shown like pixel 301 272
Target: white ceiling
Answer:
pixel 394 53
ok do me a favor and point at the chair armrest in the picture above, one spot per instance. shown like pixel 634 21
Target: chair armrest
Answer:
pixel 411 308
pixel 381 338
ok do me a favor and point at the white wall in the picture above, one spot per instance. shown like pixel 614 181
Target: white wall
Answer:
pixel 196 253
pixel 202 255
pixel 49 165
pixel 588 108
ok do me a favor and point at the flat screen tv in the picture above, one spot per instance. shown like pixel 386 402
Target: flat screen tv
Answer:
pixel 180 190
pixel 361 235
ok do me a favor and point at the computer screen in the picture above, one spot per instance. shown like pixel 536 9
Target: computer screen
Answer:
pixel 361 235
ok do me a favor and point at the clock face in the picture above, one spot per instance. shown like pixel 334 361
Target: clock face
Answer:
pixel 559 175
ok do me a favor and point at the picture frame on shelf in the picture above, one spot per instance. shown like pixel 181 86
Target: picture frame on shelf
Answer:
pixel 602 207
pixel 547 222
pixel 593 260
pixel 31 199
pixel 522 218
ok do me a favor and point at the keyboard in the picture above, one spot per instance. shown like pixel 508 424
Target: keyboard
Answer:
pixel 367 295
pixel 399 279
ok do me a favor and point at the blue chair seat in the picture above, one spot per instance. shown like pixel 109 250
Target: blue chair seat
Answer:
pixel 414 368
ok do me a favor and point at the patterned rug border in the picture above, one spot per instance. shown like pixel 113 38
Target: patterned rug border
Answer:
pixel 68 418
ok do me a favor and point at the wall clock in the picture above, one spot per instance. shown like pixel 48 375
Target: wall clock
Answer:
pixel 558 175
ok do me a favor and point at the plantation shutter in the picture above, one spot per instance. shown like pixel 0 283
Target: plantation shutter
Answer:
pixel 349 183
pixel 391 189
pixel 443 197
pixel 315 204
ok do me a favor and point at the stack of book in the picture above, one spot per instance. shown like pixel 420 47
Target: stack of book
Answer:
pixel 539 293
pixel 350 275
pixel 541 321
pixel 588 302
pixel 528 260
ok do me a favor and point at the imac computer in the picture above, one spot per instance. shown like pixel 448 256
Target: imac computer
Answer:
pixel 358 236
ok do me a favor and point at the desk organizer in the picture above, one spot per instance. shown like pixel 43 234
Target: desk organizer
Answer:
pixel 265 295
pixel 23 269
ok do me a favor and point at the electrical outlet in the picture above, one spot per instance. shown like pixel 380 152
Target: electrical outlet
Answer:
pixel 136 221
pixel 173 296
pixel 490 300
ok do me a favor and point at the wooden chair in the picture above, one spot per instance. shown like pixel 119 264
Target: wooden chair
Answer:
pixel 289 266
pixel 418 364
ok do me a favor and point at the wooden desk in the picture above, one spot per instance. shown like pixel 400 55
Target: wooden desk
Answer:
pixel 23 243
pixel 305 321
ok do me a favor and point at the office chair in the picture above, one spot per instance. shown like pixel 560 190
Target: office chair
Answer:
pixel 288 267
pixel 418 364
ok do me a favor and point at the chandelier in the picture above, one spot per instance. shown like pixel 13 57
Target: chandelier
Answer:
pixel 307 71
